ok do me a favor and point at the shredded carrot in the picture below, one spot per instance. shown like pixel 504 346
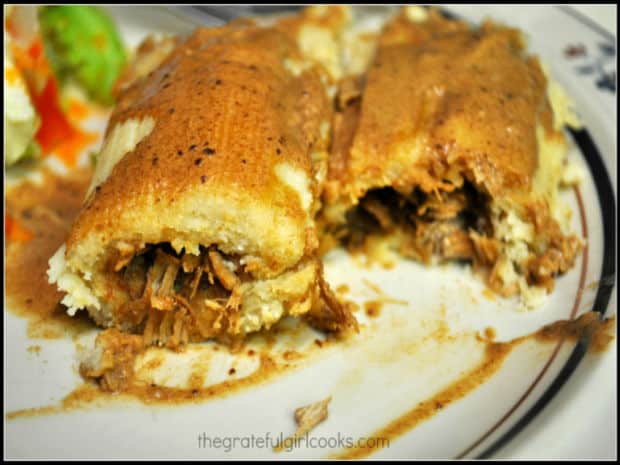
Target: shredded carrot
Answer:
pixel 9 25
pixel 70 150
pixel 77 110
pixel 11 75
pixel 36 49
pixel 32 64
pixel 14 231
pixel 56 134
pixel 54 126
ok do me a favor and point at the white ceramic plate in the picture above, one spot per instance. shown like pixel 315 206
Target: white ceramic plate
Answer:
pixel 546 400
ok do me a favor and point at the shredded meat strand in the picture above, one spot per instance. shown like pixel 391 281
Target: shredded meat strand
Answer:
pixel 113 367
pixel 177 299
pixel 228 279
pixel 329 313
pixel 455 224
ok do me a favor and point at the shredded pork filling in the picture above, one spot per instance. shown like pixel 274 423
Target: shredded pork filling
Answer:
pixel 449 225
pixel 457 225
pixel 174 298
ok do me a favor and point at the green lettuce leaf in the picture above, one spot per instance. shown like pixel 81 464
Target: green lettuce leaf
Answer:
pixel 82 43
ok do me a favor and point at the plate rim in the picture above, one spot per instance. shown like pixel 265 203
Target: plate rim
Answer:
pixel 606 283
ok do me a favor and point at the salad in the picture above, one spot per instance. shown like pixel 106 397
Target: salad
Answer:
pixel 58 60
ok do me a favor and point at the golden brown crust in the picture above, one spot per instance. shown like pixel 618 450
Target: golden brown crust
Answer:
pixel 197 94
pixel 205 226
pixel 226 113
pixel 465 103
pixel 442 111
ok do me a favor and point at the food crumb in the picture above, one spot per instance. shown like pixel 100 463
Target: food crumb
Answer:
pixel 486 335
pixel 372 286
pixel 342 289
pixel 373 308
pixel 307 418
pixel 291 355
pixel 489 294
pixel 36 349
pixel 489 333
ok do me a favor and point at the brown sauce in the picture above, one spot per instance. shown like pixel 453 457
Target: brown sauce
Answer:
pixel 494 357
pixel 47 211
pixel 35 349
pixel 587 325
pixel 599 332
pixel 90 394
